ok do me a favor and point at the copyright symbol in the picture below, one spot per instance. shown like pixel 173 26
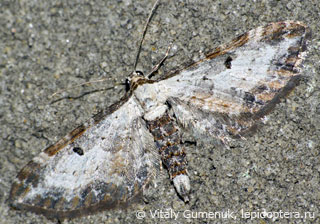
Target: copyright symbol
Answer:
pixel 140 214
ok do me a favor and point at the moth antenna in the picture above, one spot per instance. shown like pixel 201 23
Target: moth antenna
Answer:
pixel 83 94
pixel 82 84
pixel 155 6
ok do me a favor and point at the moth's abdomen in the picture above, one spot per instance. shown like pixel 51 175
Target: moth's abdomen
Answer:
pixel 167 137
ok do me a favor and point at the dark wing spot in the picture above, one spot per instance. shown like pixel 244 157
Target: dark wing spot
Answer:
pixel 227 62
pixel 78 150
pixel 205 78
pixel 261 88
pixel 249 98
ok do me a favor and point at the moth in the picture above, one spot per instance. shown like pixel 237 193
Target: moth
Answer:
pixel 107 161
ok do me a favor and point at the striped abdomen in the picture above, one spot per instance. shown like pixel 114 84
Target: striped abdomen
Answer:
pixel 168 140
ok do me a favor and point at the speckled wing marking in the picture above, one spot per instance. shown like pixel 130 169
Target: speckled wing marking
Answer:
pixel 240 82
pixel 102 164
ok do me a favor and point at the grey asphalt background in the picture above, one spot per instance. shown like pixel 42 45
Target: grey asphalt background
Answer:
pixel 47 46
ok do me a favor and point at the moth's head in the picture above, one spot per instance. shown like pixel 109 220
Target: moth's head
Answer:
pixel 134 80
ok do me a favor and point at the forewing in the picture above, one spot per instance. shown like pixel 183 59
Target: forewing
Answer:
pixel 239 82
pixel 94 167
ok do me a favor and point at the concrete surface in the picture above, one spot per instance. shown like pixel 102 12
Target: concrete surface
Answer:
pixel 47 46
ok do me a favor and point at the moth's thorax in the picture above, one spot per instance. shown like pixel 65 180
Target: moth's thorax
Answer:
pixel 152 100
pixel 137 79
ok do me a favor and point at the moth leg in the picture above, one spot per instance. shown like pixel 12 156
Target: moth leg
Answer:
pixel 160 165
pixel 157 66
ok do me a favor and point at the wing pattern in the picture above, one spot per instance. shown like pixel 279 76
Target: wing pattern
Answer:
pixel 239 82
pixel 102 167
